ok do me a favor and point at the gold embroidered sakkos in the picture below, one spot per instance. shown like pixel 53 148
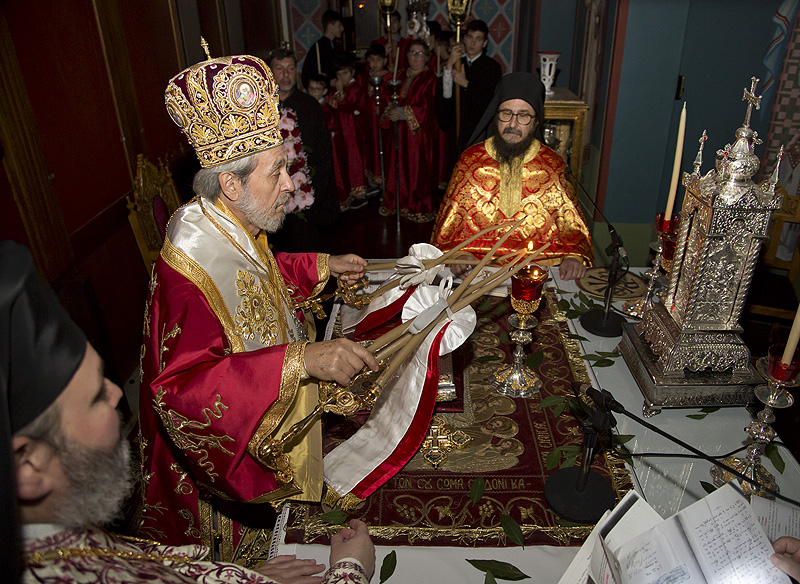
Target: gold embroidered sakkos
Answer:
pixel 256 315
pixel 175 424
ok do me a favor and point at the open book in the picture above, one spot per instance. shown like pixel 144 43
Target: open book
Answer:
pixel 717 540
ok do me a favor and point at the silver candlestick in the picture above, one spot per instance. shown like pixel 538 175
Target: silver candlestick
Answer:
pixel 774 396
pixel 516 379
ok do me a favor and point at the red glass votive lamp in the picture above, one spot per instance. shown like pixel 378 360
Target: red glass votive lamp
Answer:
pixel 528 283
pixel 668 248
pixel 663 226
pixel 777 369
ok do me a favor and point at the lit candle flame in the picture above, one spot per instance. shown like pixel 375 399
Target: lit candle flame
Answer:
pixel 530 246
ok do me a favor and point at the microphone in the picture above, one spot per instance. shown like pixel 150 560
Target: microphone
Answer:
pixel 603 322
pixel 616 240
pixel 601 397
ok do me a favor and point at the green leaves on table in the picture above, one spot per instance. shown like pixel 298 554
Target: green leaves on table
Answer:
pixel 601 358
pixel 534 359
pixel 476 489
pixel 499 570
pixel 335 517
pixel 484 305
pixel 774 454
pixel 512 529
pixel 576 306
pixel 487 358
pixel 563 456
pixel 708 487
pixel 618 445
pixel 388 566
pixel 705 412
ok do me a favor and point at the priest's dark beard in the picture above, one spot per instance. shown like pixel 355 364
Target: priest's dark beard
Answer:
pixel 506 151
pixel 98 481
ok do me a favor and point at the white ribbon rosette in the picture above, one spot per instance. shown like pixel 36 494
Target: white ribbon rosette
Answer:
pixel 411 271
pixel 401 415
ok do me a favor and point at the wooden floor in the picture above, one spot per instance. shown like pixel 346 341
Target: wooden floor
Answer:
pixel 366 233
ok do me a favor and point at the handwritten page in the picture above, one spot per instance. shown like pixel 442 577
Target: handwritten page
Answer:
pixel 660 556
pixel 631 517
pixel 728 542
pixel 777 519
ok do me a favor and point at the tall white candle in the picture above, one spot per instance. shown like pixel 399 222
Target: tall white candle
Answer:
pixel 676 166
pixel 791 344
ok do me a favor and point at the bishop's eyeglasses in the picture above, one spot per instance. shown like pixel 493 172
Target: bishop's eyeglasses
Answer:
pixel 523 118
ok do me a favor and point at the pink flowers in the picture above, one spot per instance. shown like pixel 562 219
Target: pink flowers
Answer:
pixel 298 169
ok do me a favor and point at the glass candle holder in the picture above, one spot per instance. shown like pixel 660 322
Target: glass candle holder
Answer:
pixel 663 226
pixel 779 370
pixel 528 283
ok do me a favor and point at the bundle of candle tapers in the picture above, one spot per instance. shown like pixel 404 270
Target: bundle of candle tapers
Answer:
pixel 398 345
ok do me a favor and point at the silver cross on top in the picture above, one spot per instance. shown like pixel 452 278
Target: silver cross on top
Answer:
pixel 751 99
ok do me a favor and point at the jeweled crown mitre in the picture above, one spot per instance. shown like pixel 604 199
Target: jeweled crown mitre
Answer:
pixel 227 107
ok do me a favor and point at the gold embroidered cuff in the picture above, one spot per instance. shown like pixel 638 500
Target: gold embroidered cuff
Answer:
pixel 413 124
pixel 346 502
pixel 290 379
pixel 323 273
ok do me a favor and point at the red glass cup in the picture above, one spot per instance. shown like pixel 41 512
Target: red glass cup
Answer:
pixel 528 283
pixel 663 226
pixel 779 370
pixel 668 248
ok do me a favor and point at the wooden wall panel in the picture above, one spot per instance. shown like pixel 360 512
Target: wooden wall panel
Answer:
pixel 153 62
pixel 63 68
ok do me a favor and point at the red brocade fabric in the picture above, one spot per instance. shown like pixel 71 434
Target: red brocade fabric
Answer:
pixel 511 440
pixel 200 405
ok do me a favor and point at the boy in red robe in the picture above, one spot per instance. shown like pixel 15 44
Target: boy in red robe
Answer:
pixel 350 111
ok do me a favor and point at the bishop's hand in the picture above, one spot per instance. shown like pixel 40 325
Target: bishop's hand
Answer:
pixel 337 360
pixel 571 268
pixel 348 267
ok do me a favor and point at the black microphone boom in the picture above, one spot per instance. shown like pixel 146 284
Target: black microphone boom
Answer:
pixel 603 399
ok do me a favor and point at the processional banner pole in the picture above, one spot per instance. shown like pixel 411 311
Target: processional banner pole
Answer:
pixel 459 12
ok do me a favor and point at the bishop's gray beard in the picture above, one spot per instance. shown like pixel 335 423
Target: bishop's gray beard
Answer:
pixel 270 220
pixel 97 483
pixel 507 151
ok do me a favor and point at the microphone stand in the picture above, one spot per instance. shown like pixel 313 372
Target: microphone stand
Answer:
pixel 607 400
pixel 578 493
pixel 605 323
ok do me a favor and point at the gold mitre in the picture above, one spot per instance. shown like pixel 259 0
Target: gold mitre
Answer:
pixel 227 107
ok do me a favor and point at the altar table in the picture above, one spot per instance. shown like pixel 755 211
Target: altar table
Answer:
pixel 668 484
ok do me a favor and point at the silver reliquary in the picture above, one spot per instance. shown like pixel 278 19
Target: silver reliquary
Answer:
pixel 687 350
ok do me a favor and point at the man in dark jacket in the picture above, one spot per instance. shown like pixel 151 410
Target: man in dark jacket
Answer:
pixel 302 233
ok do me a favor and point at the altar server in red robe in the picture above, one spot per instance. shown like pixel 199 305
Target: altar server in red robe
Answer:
pixel 417 133
pixel 351 110
pixel 226 363
pixel 377 67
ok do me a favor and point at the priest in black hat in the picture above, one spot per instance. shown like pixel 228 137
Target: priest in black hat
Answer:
pixel 508 172
pixel 71 468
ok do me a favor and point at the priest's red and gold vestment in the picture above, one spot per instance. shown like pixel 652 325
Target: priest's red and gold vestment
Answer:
pixel 94 556
pixel 480 195
pixel 222 372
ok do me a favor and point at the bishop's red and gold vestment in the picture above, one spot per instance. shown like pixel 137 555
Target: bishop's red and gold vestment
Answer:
pixel 482 193
pixel 222 372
